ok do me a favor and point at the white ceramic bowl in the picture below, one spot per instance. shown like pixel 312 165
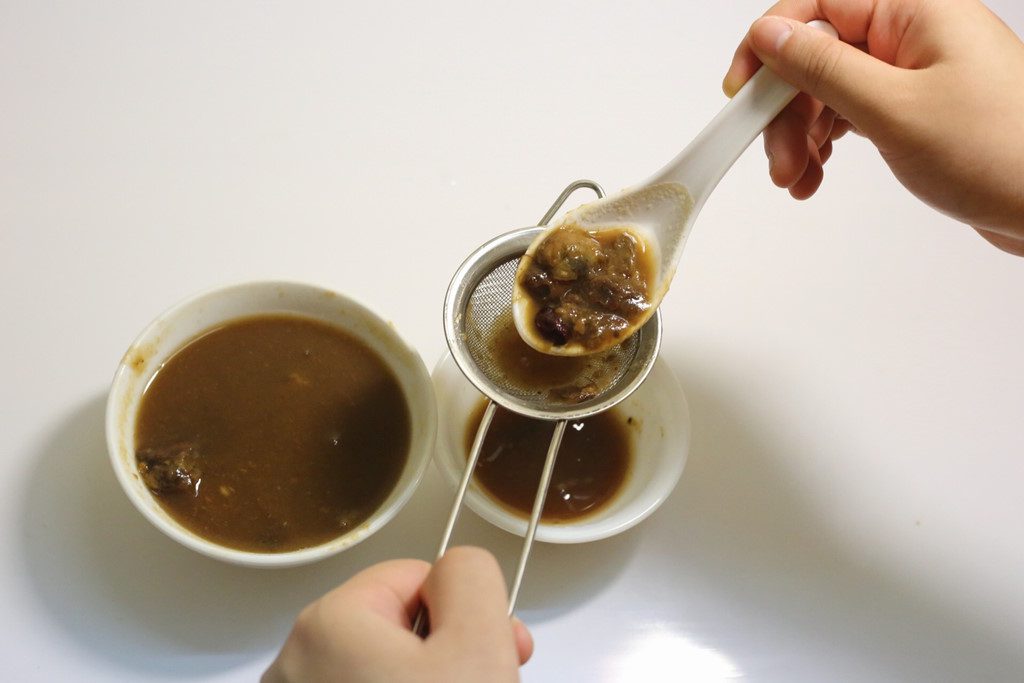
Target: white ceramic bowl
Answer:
pixel 661 441
pixel 174 328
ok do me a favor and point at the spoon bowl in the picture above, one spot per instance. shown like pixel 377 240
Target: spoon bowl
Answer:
pixel 661 211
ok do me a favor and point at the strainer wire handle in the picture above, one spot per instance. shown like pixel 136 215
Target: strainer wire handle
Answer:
pixel 572 187
pixel 419 625
pixel 538 508
pixel 556 437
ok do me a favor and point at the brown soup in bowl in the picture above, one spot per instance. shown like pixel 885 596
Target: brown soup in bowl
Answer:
pixel 272 433
pixel 591 468
pixel 359 376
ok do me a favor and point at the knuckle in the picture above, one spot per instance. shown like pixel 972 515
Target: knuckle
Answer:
pixel 305 630
pixel 821 66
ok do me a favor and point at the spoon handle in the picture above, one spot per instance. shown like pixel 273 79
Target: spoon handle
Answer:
pixel 706 159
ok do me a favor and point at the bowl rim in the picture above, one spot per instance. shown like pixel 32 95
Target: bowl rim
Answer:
pixel 414 381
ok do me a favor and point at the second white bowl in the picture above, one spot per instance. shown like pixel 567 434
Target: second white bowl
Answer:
pixel 661 442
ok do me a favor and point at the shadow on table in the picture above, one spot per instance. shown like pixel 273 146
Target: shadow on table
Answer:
pixel 754 552
pixel 126 592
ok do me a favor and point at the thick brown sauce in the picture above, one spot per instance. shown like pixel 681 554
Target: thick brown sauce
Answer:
pixel 592 466
pixel 588 287
pixel 272 434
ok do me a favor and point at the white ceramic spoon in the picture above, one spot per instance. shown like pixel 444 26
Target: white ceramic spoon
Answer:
pixel 662 210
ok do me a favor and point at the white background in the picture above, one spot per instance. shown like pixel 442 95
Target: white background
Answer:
pixel 852 506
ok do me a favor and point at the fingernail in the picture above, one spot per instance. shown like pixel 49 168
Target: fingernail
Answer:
pixel 769 153
pixel 771 33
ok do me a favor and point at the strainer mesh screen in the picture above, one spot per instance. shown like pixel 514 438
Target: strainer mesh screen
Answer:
pixel 489 312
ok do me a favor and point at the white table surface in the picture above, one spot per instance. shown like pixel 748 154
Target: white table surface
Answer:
pixel 851 509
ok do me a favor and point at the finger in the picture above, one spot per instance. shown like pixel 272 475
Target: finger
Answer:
pixel 811 179
pixel 524 640
pixel 389 589
pixel 787 159
pixel 744 65
pixel 360 622
pixel 745 62
pixel 849 81
pixel 465 593
pixel 1008 243
pixel 825 151
pixel 785 140
pixel 851 18
pixel 821 129
pixel 840 128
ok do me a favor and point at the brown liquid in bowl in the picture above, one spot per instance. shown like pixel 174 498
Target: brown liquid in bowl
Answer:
pixel 272 433
pixel 592 466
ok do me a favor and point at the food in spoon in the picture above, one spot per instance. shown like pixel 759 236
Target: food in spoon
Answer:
pixel 588 287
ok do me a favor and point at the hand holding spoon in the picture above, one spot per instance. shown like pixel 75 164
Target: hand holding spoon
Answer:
pixel 658 214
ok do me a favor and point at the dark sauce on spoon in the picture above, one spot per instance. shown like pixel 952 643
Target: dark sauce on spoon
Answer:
pixel 592 466
pixel 588 287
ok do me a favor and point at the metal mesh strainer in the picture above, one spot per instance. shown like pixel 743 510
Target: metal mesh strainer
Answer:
pixel 477 309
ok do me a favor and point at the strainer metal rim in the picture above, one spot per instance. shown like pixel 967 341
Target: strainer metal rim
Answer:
pixel 465 280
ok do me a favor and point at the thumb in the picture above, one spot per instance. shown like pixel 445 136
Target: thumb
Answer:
pixel 852 83
pixel 465 593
